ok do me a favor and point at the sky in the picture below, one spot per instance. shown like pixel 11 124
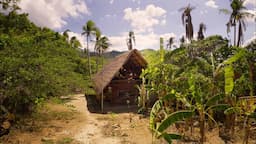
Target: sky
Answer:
pixel 148 19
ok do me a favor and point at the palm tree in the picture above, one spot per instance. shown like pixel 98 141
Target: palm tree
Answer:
pixel 65 34
pixel 131 40
pixel 237 15
pixel 170 42
pixel 98 36
pixel 187 21
pixel 89 30
pixel 102 45
pixel 182 41
pixel 74 42
pixel 202 29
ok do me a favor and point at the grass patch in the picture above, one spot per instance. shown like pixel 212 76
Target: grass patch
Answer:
pixel 57 100
pixel 65 140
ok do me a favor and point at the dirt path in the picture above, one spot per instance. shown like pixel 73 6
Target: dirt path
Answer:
pixel 90 131
pixel 72 123
pixel 111 128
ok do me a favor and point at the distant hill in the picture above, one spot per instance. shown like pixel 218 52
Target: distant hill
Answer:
pixel 146 52
pixel 114 53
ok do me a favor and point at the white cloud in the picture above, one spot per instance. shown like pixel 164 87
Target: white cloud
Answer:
pixel 202 12
pixel 52 13
pixel 143 41
pixel 253 18
pixel 111 1
pixel 82 40
pixel 145 20
pixel 247 42
pixel 248 2
pixel 138 1
pixel 79 37
pixel 211 3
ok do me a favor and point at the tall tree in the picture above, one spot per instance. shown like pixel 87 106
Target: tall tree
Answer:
pixel 65 34
pixel 202 29
pixel 187 21
pixel 102 45
pixel 98 36
pixel 131 40
pixel 182 41
pixel 74 42
pixel 170 42
pixel 89 29
pixel 238 16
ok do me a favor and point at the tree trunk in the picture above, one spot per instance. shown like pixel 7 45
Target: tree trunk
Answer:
pixel 102 102
pixel 202 126
pixel 88 57
pixel 240 34
pixel 234 34
pixel 246 130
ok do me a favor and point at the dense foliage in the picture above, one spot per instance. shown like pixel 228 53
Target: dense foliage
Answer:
pixel 204 77
pixel 36 63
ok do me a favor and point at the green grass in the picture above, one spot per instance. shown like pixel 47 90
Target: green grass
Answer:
pixel 65 140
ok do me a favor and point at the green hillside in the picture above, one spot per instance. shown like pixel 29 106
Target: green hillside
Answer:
pixel 36 63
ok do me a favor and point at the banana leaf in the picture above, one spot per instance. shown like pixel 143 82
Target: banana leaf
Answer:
pixel 174 117
pixel 155 109
pixel 170 137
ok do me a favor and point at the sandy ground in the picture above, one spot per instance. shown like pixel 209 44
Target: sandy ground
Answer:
pixel 111 128
pixel 73 123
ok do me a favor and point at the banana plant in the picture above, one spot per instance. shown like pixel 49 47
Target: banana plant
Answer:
pixel 203 105
pixel 160 120
pixel 244 106
pixel 143 96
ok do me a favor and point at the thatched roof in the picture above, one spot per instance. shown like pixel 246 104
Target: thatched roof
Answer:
pixel 108 72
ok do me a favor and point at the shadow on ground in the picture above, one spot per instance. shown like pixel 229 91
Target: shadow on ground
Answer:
pixel 94 106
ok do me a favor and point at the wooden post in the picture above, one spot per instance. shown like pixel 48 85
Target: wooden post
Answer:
pixel 102 99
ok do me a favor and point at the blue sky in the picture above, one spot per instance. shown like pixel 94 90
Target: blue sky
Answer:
pixel 149 19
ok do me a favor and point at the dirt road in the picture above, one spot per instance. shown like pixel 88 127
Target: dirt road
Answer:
pixel 111 128
pixel 72 123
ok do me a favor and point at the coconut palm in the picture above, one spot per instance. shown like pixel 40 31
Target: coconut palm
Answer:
pixel 89 29
pixel 131 40
pixel 170 42
pixel 237 15
pixel 74 42
pixel 65 34
pixel 98 36
pixel 202 29
pixel 102 45
pixel 187 21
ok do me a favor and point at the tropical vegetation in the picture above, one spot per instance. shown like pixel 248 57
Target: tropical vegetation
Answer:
pixel 203 84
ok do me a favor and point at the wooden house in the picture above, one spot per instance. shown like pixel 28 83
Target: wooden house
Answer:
pixel 118 79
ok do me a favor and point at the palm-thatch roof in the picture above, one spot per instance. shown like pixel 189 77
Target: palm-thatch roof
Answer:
pixel 108 72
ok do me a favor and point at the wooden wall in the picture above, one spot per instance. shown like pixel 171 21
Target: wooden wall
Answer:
pixel 119 91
